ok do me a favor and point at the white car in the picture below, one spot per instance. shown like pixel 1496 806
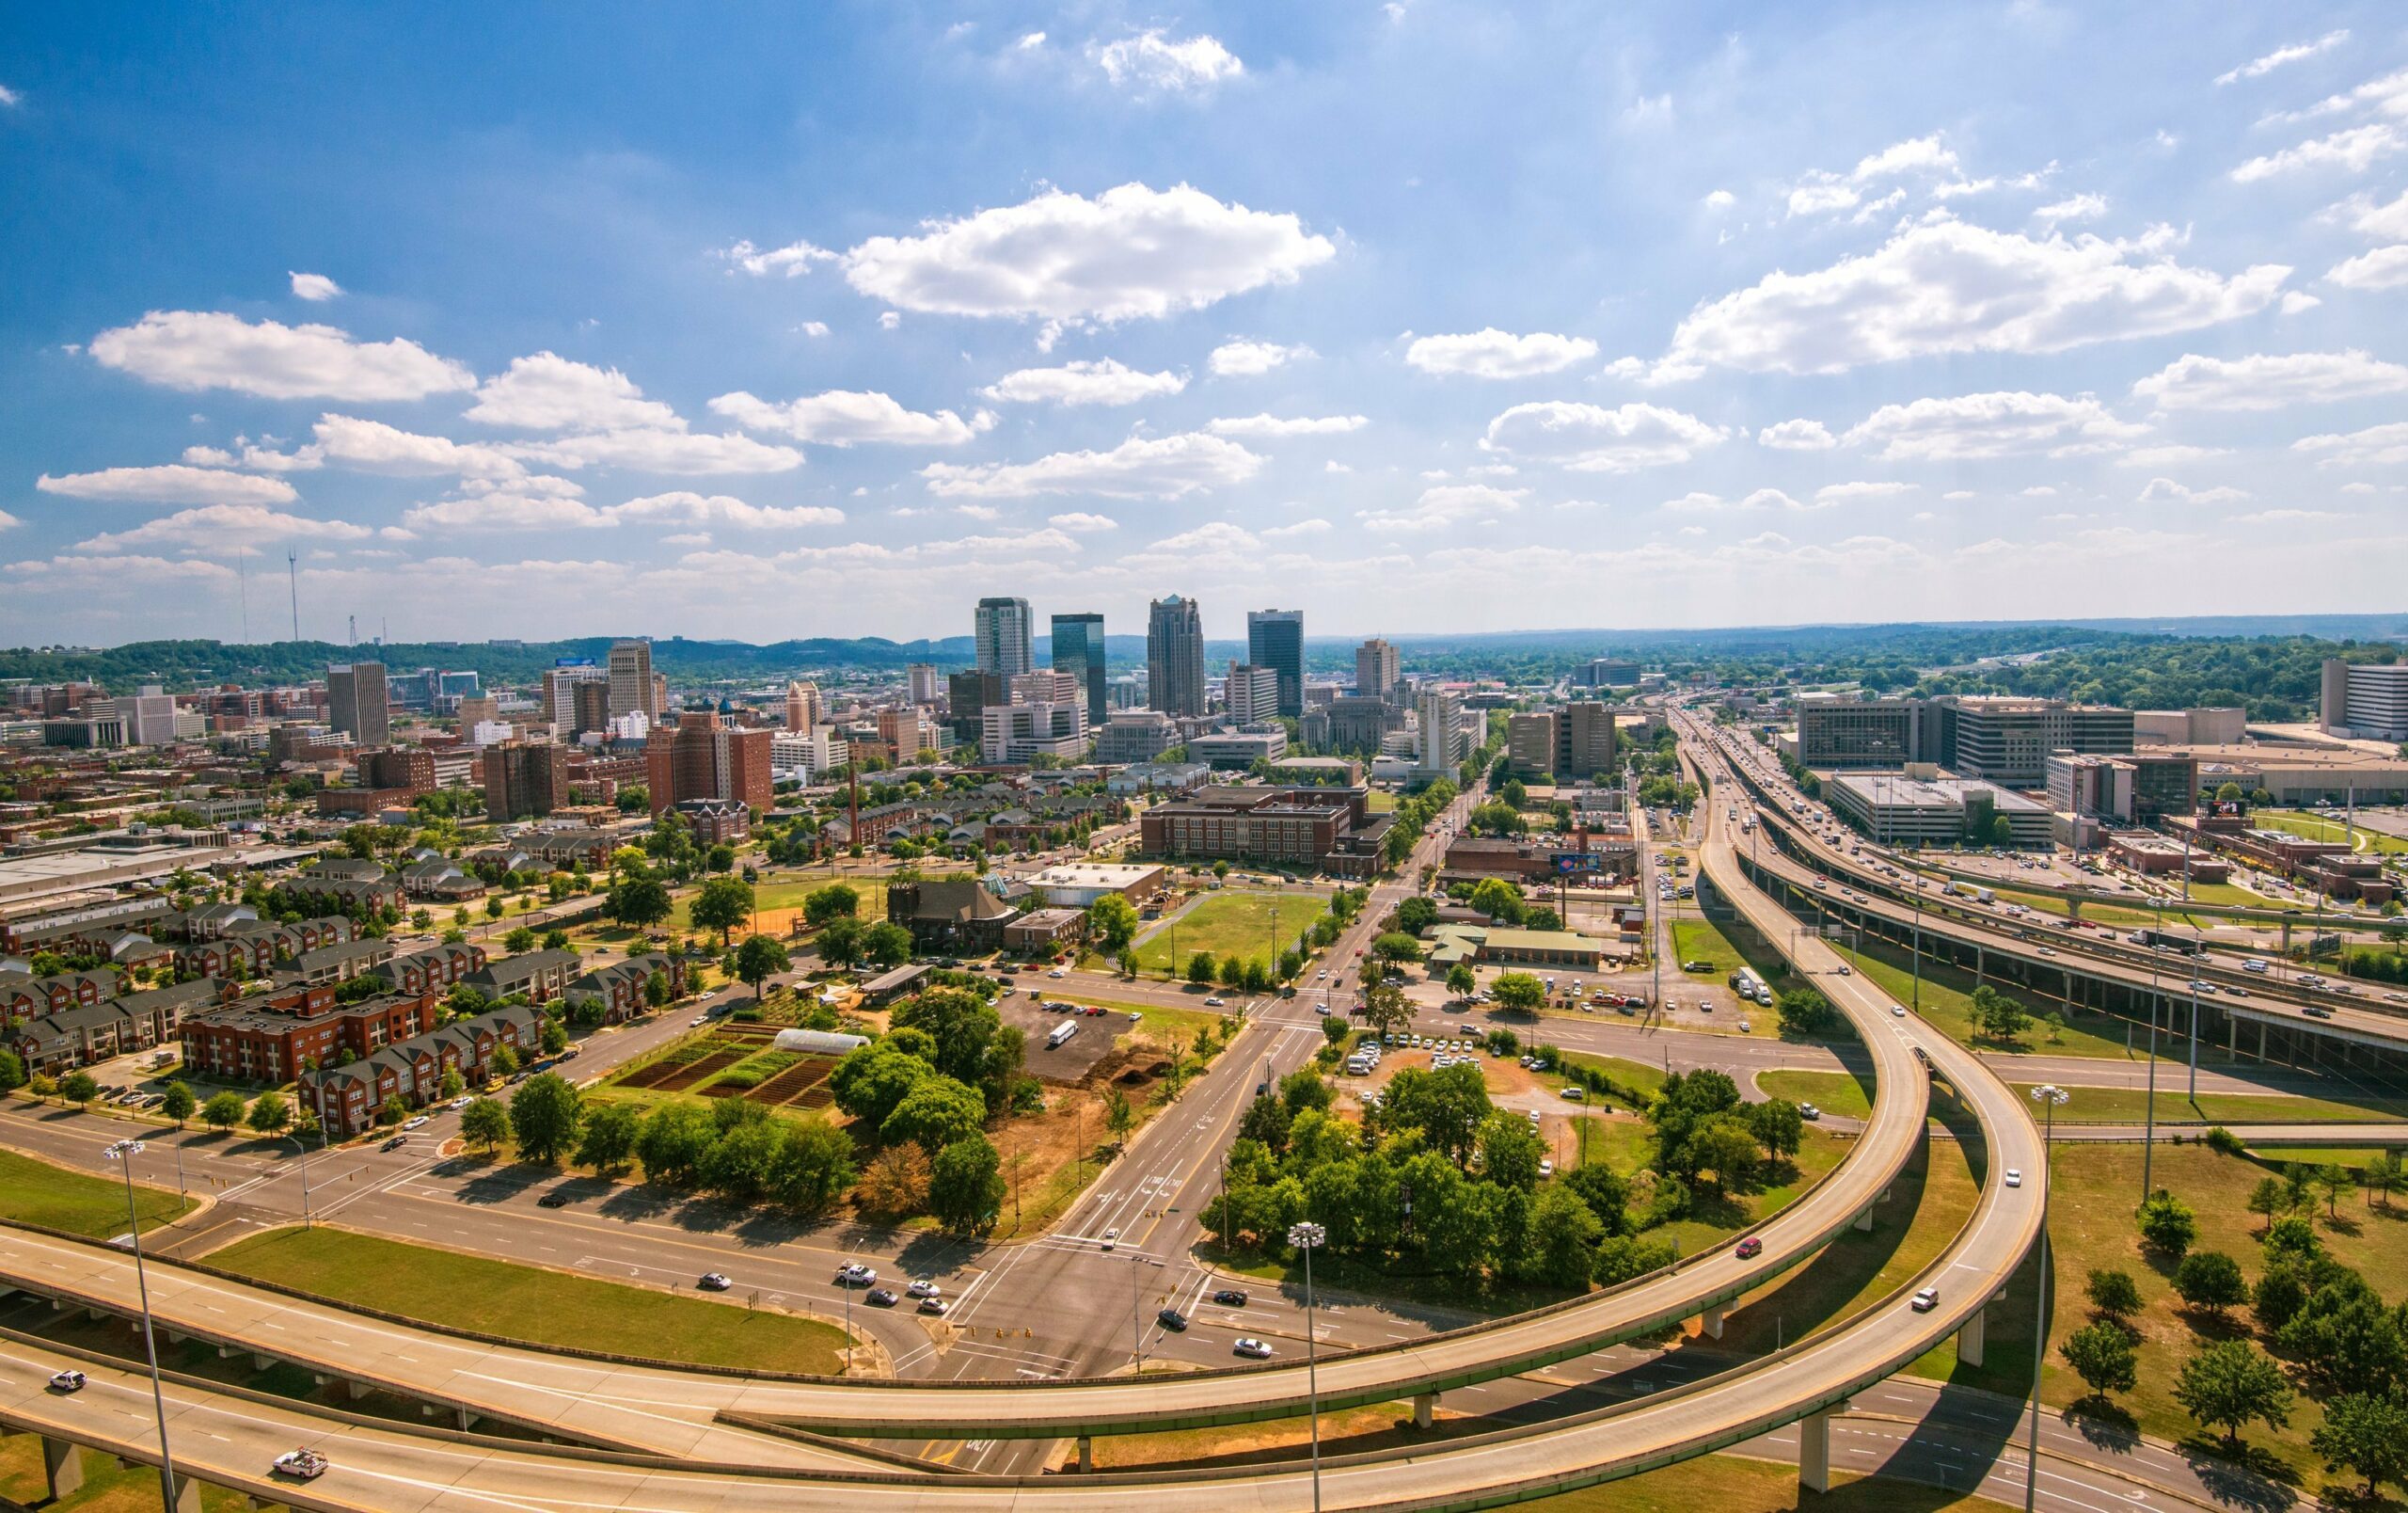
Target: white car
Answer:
pixel 303 1464
pixel 461 1101
pixel 414 1122
pixel 1898 1011
pixel 923 1287
pixel 1925 1301
pixel 2013 1178
pixel 935 1307
pixel 714 1282
pixel 1214 1003
pixel 67 1382
pixel 1057 972
pixel 1546 1168
pixel 1111 1240
pixel 1252 1349
pixel 855 1275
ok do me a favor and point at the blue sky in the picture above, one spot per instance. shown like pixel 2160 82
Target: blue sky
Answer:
pixel 523 321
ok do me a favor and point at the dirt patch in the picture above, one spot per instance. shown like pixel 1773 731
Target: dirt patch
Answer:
pixel 685 1077
pixel 795 1082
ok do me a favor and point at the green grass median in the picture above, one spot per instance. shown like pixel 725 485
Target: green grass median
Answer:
pixel 36 1192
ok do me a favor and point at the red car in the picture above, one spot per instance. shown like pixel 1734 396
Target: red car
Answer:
pixel 1750 1248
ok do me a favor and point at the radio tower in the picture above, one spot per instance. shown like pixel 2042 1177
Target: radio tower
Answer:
pixel 292 576
pixel 354 630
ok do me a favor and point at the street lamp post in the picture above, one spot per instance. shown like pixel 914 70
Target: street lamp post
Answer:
pixel 2049 1098
pixel 2149 1118
pixel 1918 1005
pixel 124 1153
pixel 1308 1237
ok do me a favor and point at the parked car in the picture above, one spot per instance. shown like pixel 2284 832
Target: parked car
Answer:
pixel 714 1282
pixel 1808 1111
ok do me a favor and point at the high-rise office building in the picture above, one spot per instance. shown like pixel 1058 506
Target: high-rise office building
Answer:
pixel 1376 670
pixel 803 708
pixel 1442 732
pixel 631 685
pixel 967 697
pixel 702 759
pixel 560 694
pixel 1584 740
pixel 1047 685
pixel 1005 636
pixel 356 703
pixel 1175 657
pixel 1252 694
pixel 1276 639
pixel 149 716
pixel 1078 650
pixel 591 708
pixel 1530 743
pixel 524 780
pixel 922 684
pixel 2365 699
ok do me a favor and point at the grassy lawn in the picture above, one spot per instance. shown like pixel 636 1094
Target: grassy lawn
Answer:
pixel 1231 923
pixel 1833 1093
pixel 2094 1192
pixel 789 893
pixel 1381 802
pixel 108 1487
pixel 2130 1105
pixel 2352 1157
pixel 2234 894
pixel 1629 1144
pixel 1948 1002
pixel 1729 949
pixel 1640 1076
pixel 531 1304
pixel 36 1192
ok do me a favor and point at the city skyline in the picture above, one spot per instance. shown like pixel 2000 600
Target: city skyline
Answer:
pixel 901 310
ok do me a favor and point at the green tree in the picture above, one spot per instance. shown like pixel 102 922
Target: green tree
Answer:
pixel 741 1163
pixel 887 945
pixel 1386 1009
pixel 1510 1151
pixel 2267 1199
pixel 486 1121
pixel 2114 1296
pixel 13 1070
pixel 1497 898
pixel 2210 1281
pixel 2167 1223
pixel 2332 1179
pixel 270 1114
pixel 1804 1011
pixel 79 1088
pixel 814 1165
pixel 966 1187
pixel 608 1139
pixel 223 1111
pixel 656 989
pixel 837 900
pixel 2366 1434
pixel 723 903
pixel 1202 968
pixel 936 1111
pixel 1396 946
pixel 544 1116
pixel 552 1036
pixel 452 1083
pixel 842 941
pixel 2229 1383
pixel 1446 1106
pixel 1997 1016
pixel 1564 1235
pixel 639 902
pixel 2381 1177
pixel 1112 924
pixel 1119 1116
pixel 759 959
pixel 1777 1125
pixel 176 1102
pixel 1461 980
pixel 519 941
pixel 2103 1356
pixel 1518 991
pixel 958 1024
pixel 673 1142
pixel 872 1079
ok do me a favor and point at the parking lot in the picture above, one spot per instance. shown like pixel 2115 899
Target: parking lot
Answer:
pixel 1070 1061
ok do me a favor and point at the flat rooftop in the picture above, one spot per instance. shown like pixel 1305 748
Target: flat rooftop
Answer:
pixel 1094 875
pixel 1890 792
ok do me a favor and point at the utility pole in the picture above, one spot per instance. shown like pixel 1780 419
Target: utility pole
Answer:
pixel 2048 1097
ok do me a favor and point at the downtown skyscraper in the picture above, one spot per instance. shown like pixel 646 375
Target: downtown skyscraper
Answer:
pixel 1175 658
pixel 1005 636
pixel 1078 650
pixel 1276 639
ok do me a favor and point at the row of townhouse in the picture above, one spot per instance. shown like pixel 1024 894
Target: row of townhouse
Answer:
pixel 551 850
pixel 619 986
pixel 344 885
pixel 431 968
pixel 441 879
pixel 23 995
pixel 542 976
pixel 348 1097
pixel 54 1043
pixel 259 944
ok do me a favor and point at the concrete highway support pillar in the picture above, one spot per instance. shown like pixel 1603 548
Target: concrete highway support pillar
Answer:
pixel 187 1496
pixel 62 1465
pixel 1712 1321
pixel 356 1390
pixel 1086 1452
pixel 260 1362
pixel 1970 1338
pixel 1814 1452
pixel 1425 1408
pixel 466 1418
pixel 1864 1218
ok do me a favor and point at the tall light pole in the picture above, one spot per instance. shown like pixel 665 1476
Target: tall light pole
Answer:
pixel 2148 1127
pixel 2048 1097
pixel 124 1153
pixel 1918 1006
pixel 1308 1236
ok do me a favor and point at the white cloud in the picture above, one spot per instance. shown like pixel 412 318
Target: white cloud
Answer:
pixel 8 521
pixel 1446 504
pixel 980 512
pixel 1841 493
pixel 2296 302
pixel 1694 500
pixel 169 484
pixel 1164 468
pixel 1821 197
pixel 791 261
pixel 2040 491
pixel 1248 358
pixel 1649 110
pixel 1820 192
pixel 1151 60
pixel 813 328
pixel 11 98
pixel 256 458
pixel 842 418
pixel 889 320
pixel 1102 381
pixel 2270 382
pixel 2166 491
pixel 661 451
pixel 2258 66
pixel 2287 516
pixel 505 509
pixel 1721 200
pixel 2376 446
pixel 1590 439
pixel 2383 222
pixel 2386 267
pixel 1081 522
pixel 1770 499
pixel 314 287
pixel 214 525
pixel 1334 465
pixel 687 508
pixel 549 392
pixel 2351 151
pixel 2073 207
pixel 1490 353
pixel 1948 287
pixel 372 446
pixel 196 350
pixel 2358 488
pixel 1315 526
pixel 1970 426
pixel 1270 426
pixel 1796 436
pixel 1129 252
